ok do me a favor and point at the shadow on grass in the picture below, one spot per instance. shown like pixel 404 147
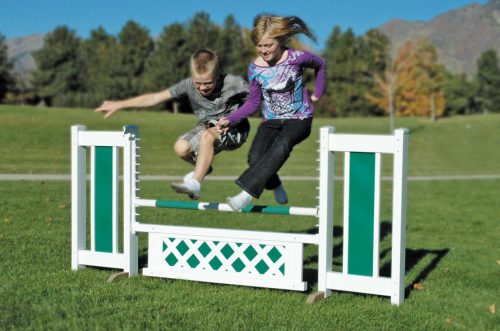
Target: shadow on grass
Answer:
pixel 310 275
pixel 414 256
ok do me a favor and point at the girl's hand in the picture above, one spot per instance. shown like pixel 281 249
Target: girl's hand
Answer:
pixel 314 99
pixel 222 124
pixel 109 108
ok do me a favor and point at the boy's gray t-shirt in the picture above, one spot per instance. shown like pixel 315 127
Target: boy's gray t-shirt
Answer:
pixel 214 106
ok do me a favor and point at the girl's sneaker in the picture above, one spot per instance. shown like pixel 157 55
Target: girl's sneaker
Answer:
pixel 239 201
pixel 280 195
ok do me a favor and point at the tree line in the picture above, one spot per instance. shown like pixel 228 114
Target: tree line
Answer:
pixel 363 77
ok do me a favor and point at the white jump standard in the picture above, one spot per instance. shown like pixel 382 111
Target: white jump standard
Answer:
pixel 251 258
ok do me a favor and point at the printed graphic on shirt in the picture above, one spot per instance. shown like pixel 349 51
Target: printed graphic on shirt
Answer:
pixel 283 88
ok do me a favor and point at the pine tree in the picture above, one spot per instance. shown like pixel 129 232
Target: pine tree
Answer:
pixel 234 48
pixel 488 80
pixel 169 62
pixel 58 67
pixel 134 47
pixel 5 66
pixel 98 54
pixel 202 33
pixel 339 76
pixel 459 94
pixel 352 63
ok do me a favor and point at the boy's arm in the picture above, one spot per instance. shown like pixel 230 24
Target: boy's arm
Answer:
pixel 145 100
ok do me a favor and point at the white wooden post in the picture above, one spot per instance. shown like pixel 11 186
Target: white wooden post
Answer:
pixel 130 245
pixel 399 215
pixel 325 246
pixel 78 196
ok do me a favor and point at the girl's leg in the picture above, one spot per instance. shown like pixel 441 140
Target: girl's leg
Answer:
pixel 260 171
pixel 266 133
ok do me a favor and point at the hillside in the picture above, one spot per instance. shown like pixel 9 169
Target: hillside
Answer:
pixel 460 36
pixel 20 51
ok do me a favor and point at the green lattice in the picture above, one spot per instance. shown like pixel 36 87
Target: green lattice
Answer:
pixel 223 257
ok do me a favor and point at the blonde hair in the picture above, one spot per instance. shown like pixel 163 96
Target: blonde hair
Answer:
pixel 204 61
pixel 280 28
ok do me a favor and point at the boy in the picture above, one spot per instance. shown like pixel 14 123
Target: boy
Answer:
pixel 212 95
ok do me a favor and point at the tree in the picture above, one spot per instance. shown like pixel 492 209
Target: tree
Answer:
pixel 134 47
pixel 352 63
pixel 58 67
pixel 411 84
pixel 459 94
pixel 488 80
pixel 339 51
pixel 234 47
pixel 385 89
pixel 169 62
pixel 5 66
pixel 430 75
pixel 202 33
pixel 98 55
pixel 376 50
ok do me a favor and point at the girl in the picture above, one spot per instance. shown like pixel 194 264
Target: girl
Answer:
pixel 277 76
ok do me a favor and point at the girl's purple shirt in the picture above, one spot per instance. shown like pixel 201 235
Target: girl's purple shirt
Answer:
pixel 283 88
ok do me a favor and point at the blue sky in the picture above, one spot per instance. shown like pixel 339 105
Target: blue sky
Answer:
pixel 24 17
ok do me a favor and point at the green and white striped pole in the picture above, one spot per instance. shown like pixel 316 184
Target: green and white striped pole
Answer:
pixel 215 206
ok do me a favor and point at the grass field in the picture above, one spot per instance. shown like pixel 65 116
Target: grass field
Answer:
pixel 453 255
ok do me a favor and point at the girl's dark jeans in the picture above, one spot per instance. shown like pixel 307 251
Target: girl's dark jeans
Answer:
pixel 271 147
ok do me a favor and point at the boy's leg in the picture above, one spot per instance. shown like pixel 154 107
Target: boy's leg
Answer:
pixel 204 157
pixel 206 153
pixel 184 150
pixel 187 148
pixel 187 145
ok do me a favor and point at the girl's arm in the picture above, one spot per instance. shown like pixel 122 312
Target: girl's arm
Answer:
pixel 316 62
pixel 250 106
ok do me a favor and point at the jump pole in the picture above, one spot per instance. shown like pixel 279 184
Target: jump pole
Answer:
pixel 251 258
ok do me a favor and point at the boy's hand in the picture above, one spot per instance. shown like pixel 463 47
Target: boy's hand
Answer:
pixel 109 108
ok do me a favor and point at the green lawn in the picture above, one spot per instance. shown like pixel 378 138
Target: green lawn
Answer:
pixel 453 256
pixel 36 140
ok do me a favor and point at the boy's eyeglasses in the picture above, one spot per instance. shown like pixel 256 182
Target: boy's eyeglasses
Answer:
pixel 206 84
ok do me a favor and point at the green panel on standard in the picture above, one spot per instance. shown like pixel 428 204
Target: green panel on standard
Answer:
pixel 103 199
pixel 361 213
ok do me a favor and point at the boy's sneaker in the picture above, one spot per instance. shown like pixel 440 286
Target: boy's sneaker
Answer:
pixel 190 175
pixel 280 195
pixel 190 187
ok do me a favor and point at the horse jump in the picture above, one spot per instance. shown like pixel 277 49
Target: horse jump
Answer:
pixel 251 258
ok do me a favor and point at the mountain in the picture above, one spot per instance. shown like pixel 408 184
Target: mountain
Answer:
pixel 460 36
pixel 19 52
